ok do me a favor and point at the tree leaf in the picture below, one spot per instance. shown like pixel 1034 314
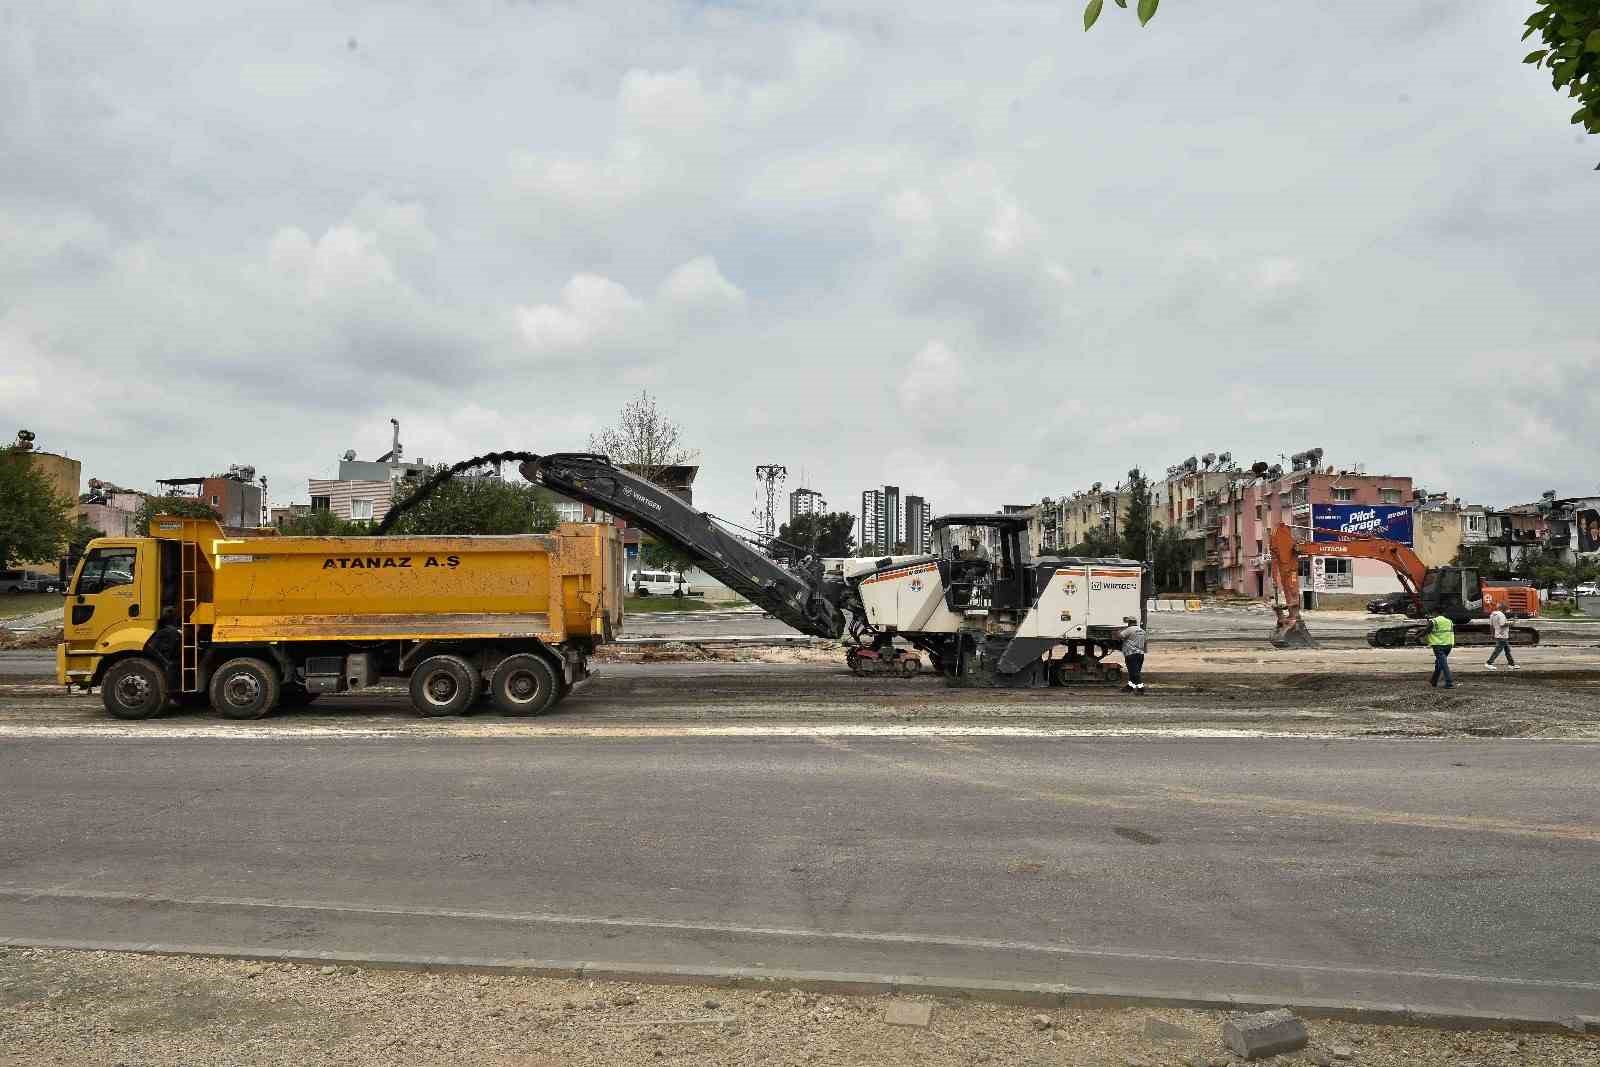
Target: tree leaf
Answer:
pixel 1592 44
pixel 1122 4
pixel 1147 10
pixel 1092 12
pixel 1580 115
pixel 1564 71
pixel 1534 57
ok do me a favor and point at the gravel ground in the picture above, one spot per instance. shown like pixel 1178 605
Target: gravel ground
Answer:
pixel 73 1008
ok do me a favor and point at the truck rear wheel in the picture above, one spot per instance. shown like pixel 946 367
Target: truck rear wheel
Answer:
pixel 443 685
pixel 245 688
pixel 134 688
pixel 524 684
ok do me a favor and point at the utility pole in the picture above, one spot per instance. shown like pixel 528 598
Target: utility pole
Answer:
pixel 769 476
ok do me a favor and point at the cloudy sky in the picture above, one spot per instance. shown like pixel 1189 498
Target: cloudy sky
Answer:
pixel 987 257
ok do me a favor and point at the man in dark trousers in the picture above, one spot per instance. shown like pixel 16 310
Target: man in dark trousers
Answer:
pixel 1442 639
pixel 1133 642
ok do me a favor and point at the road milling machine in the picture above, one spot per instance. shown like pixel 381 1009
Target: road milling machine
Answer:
pixel 984 612
pixel 1455 592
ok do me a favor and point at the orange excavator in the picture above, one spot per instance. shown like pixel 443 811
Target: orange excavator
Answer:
pixel 1455 592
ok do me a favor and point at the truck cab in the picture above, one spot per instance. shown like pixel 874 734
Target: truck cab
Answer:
pixel 113 607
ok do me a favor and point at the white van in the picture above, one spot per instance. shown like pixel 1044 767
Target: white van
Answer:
pixel 659 583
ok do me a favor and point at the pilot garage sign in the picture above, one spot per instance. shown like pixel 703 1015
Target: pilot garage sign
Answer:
pixel 1388 521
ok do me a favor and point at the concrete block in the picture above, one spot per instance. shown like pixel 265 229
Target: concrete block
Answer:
pixel 908 1013
pixel 1265 1033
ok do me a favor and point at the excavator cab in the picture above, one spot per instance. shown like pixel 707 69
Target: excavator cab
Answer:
pixel 1454 592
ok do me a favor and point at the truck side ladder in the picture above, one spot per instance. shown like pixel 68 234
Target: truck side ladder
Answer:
pixel 188 599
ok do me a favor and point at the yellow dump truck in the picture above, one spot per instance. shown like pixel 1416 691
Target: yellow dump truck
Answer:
pixel 249 624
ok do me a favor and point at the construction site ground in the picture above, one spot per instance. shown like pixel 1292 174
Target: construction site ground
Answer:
pixel 78 1009
pixel 1222 688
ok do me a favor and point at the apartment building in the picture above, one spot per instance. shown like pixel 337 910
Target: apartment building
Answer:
pixel 806 502
pixel 1309 498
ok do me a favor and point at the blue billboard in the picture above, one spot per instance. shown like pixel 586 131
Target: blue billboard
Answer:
pixel 1391 521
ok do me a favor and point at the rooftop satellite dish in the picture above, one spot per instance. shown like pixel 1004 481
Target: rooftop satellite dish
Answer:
pixel 349 456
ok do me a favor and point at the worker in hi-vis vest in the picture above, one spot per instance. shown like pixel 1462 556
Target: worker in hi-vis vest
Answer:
pixel 1442 639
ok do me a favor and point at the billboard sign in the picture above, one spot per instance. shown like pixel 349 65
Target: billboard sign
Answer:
pixel 1391 521
pixel 1587 514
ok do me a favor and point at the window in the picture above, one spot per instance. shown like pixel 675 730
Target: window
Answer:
pixel 106 568
pixel 319 503
pixel 1258 546
pixel 1389 496
pixel 361 509
pixel 214 501
pixel 1344 494
pixel 1474 523
pixel 1336 566
pixel 1283 500
pixel 1258 511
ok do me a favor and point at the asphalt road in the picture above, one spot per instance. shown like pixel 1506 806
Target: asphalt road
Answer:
pixel 1454 875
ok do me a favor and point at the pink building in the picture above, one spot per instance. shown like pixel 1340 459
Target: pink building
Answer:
pixel 1242 515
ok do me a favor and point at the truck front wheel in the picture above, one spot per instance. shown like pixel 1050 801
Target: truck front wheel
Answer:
pixel 443 685
pixel 134 688
pixel 524 684
pixel 245 688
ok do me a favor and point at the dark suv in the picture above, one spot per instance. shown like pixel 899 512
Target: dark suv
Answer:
pixel 1390 604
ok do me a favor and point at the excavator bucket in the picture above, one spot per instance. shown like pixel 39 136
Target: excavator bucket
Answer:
pixel 1291 632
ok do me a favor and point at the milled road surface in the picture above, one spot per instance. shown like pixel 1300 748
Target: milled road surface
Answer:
pixel 1337 692
pixel 1444 874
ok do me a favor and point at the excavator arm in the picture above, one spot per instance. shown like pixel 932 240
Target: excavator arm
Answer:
pixel 1286 553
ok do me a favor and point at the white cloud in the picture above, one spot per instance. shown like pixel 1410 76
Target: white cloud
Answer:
pixel 699 284
pixel 343 260
pixel 593 309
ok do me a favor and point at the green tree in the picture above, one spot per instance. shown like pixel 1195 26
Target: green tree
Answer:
pixel 1147 11
pixel 659 556
pixel 1136 523
pixel 1173 555
pixel 829 534
pixel 34 519
pixel 1483 559
pixel 320 522
pixel 1545 568
pixel 1570 33
pixel 1096 543
pixel 478 505
pixel 184 507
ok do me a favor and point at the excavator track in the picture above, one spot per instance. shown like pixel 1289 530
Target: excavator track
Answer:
pixel 1468 634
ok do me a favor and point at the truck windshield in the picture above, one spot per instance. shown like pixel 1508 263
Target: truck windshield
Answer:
pixel 106 568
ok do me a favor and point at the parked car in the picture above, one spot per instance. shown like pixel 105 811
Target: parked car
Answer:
pixel 659 583
pixel 1588 589
pixel 17 581
pixel 41 584
pixel 1557 593
pixel 1390 604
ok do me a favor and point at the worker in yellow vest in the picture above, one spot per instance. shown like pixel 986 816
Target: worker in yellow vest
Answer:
pixel 1442 639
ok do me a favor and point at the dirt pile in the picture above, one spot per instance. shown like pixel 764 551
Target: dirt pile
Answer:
pixel 77 1009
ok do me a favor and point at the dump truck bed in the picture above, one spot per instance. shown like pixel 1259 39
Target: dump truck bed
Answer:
pixel 545 586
